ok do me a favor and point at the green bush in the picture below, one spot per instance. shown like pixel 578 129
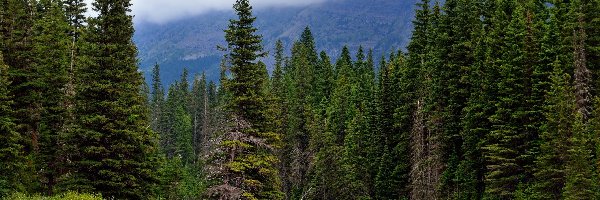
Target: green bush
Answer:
pixel 66 196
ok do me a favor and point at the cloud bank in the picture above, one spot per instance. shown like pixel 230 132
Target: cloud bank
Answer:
pixel 161 11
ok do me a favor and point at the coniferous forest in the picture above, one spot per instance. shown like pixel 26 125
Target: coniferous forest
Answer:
pixel 492 99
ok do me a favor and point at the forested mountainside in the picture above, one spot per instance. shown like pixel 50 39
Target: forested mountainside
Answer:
pixel 381 25
pixel 492 99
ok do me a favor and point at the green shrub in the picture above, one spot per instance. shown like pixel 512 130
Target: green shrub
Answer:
pixel 66 196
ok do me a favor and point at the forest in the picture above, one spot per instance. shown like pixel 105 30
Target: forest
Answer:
pixel 492 99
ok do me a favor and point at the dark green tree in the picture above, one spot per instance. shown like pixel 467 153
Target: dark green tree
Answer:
pixel 560 108
pixel 511 142
pixel 116 149
pixel 52 57
pixel 392 178
pixel 199 108
pixel 248 147
pixel 157 95
pixel 11 151
pixel 580 183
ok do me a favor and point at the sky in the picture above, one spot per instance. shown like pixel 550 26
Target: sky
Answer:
pixel 162 11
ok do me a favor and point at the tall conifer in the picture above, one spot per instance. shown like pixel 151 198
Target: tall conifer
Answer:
pixel 248 146
pixel 117 150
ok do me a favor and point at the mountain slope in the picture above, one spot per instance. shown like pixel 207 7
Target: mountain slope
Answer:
pixel 383 25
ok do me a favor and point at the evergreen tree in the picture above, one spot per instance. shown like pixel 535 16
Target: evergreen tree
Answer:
pixel 339 111
pixel 392 176
pixel 328 158
pixel 454 53
pixel 361 154
pixel 117 150
pixel 560 107
pixel 559 112
pixel 509 144
pixel 16 45
pixel 248 147
pixel 11 151
pixel 475 123
pixel 425 140
pixel 156 101
pixel 51 47
pixel 582 74
pixel 74 11
pixel 199 108
pixel 580 182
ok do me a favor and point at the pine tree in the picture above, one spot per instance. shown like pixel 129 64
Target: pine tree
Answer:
pixel 199 108
pixel 157 101
pixel 392 177
pixel 580 182
pixel 117 150
pixel 11 151
pixel 247 145
pixel 16 45
pixel 361 144
pixel 509 143
pixel 51 50
pixel 328 169
pixel 560 109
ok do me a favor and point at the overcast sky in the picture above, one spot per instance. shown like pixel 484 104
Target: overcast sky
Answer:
pixel 160 11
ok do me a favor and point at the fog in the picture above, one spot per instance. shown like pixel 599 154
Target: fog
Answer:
pixel 161 11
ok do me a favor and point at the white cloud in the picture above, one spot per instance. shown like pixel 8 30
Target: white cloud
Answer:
pixel 160 11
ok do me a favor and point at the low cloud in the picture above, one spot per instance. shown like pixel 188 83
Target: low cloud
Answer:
pixel 161 11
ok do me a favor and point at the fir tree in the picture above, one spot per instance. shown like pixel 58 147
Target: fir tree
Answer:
pixel 560 108
pixel 199 108
pixel 250 171
pixel 509 143
pixel 11 151
pixel 580 182
pixel 16 45
pixel 392 176
pixel 156 101
pixel 51 47
pixel 117 150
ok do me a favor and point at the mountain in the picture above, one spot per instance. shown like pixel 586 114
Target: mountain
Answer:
pixel 381 25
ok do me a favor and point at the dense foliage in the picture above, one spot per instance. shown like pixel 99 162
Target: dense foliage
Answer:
pixel 493 99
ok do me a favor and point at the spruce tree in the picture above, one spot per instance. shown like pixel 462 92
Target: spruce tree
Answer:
pixel 248 146
pixel 549 178
pixel 361 144
pixel 199 109
pixel 510 142
pixel 560 109
pixel 328 169
pixel 579 173
pixel 51 47
pixel 298 107
pixel 117 150
pixel 16 45
pixel 156 101
pixel 475 123
pixel 392 176
pixel 11 151
pixel 454 53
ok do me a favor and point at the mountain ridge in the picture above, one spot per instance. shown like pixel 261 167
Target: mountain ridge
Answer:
pixel 381 25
